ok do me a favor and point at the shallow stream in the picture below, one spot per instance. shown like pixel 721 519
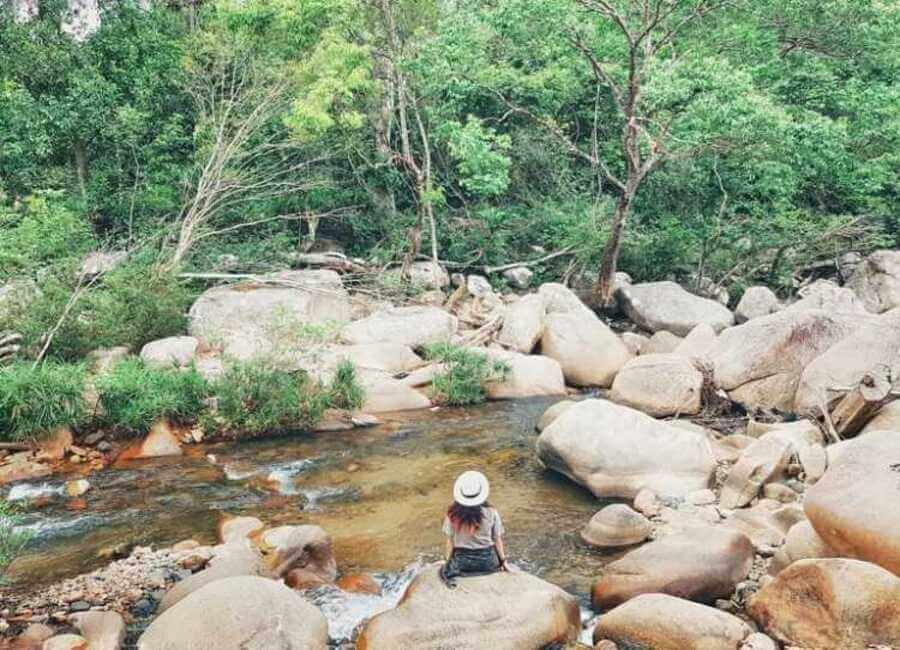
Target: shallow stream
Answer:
pixel 379 492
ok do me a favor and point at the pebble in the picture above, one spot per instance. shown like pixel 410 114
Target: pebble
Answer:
pixel 104 446
pixel 80 606
pixel 143 608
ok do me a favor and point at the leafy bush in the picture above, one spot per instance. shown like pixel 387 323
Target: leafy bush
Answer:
pixel 12 538
pixel 345 391
pixel 129 306
pixel 462 383
pixel 255 398
pixel 42 232
pixel 134 395
pixel 35 401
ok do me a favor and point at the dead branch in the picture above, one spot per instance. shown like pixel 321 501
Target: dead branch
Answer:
pixel 568 250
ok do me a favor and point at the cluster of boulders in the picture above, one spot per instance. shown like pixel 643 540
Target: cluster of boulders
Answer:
pixel 756 538
pixel 746 540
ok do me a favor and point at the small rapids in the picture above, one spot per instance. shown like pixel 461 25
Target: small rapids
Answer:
pixel 345 611
pixel 29 491
pixel 381 493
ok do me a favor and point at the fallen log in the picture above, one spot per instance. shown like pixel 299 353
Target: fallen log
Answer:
pixel 850 413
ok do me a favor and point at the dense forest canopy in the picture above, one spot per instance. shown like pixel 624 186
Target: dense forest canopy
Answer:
pixel 715 143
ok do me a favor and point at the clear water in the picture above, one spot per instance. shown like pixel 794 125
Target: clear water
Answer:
pixel 380 493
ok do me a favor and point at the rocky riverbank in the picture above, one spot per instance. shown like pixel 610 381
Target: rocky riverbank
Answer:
pixel 773 534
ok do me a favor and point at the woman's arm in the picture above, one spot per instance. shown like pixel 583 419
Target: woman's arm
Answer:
pixel 448 549
pixel 501 551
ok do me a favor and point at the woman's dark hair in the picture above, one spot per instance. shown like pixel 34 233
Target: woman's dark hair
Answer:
pixel 466 517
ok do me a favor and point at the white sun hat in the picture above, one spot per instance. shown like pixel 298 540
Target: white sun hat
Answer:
pixel 471 488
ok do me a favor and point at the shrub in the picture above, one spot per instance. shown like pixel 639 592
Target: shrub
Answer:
pixel 130 306
pixel 346 393
pixel 462 383
pixel 35 401
pixel 134 395
pixel 44 231
pixel 255 398
pixel 12 538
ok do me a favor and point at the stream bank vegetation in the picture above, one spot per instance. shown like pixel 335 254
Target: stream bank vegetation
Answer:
pixel 717 144
pixel 465 374
pixel 250 399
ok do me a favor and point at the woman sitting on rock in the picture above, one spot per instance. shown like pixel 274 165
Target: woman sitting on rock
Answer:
pixel 474 531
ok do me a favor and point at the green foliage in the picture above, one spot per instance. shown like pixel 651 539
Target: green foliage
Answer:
pixel 479 152
pixel 44 231
pixel 132 305
pixel 467 372
pixel 254 398
pixel 12 538
pixel 35 401
pixel 345 390
pixel 134 395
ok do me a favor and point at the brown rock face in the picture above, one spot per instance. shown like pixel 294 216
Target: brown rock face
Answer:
pixel 854 507
pixel 661 622
pixel 501 611
pixel 831 603
pixel 701 563
pixel 358 583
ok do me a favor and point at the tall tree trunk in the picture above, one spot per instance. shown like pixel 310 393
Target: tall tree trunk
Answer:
pixel 81 166
pixel 606 279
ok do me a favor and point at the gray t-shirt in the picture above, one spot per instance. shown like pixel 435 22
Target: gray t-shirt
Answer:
pixel 484 537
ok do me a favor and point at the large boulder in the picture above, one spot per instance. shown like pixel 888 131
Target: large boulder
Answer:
pixel 616 525
pixel 662 342
pixel 229 561
pixel 615 451
pixel 523 324
pixel 559 299
pixel 700 563
pixel 667 306
pixel 553 412
pixel 240 613
pixel 501 611
pixel 385 394
pixel 760 362
pixel 876 341
pixel 659 385
pixel 174 351
pixel 527 375
pixel 589 352
pixel 850 506
pixel 826 295
pixel 698 343
pixel 663 622
pixel 386 357
pixel 248 320
pixel 802 543
pixel 426 275
pixel 877 281
pixel 412 326
pixel 755 303
pixel 831 603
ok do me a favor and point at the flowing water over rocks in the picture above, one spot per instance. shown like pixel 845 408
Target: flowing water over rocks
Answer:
pixel 380 493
